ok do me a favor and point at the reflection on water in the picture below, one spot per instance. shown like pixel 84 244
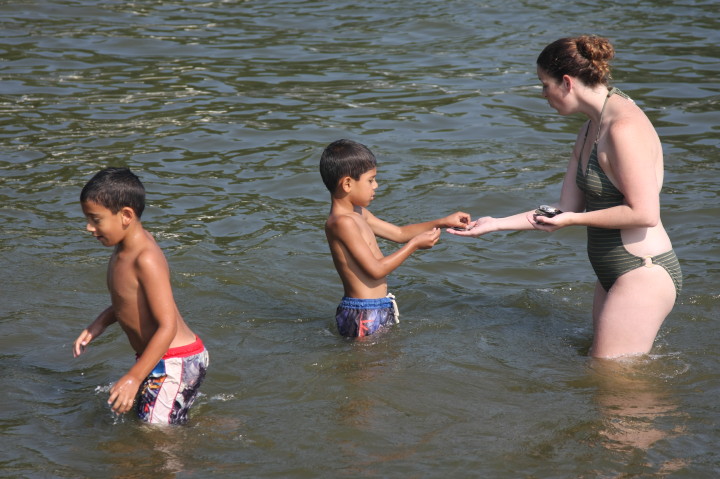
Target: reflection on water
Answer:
pixel 638 409
pixel 633 403
pixel 161 449
pixel 355 408
pixel 362 408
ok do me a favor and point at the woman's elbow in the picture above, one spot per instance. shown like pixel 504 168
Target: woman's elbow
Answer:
pixel 649 219
pixel 653 223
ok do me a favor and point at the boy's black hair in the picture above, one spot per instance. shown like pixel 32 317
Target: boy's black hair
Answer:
pixel 114 189
pixel 345 158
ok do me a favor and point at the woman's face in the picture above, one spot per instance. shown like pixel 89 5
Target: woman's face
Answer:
pixel 553 91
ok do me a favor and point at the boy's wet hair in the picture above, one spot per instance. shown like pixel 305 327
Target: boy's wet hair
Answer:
pixel 114 189
pixel 344 158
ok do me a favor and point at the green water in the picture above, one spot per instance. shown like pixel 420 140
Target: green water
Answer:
pixel 223 109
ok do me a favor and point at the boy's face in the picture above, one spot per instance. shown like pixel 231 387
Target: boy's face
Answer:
pixel 106 226
pixel 363 189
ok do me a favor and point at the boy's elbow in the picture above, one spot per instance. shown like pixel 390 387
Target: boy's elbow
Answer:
pixel 167 326
pixel 376 272
pixel 377 275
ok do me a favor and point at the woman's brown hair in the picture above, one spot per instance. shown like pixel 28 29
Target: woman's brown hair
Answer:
pixel 586 57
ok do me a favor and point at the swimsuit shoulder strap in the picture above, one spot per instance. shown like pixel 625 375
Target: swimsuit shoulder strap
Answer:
pixel 579 165
pixel 619 92
pixel 611 92
pixel 602 112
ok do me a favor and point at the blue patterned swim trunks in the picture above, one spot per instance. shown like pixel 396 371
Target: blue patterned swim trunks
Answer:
pixel 362 317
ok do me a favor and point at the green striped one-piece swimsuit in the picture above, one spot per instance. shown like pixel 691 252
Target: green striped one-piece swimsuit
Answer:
pixel 606 251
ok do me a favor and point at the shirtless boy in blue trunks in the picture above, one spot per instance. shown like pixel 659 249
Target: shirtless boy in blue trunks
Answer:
pixel 348 170
pixel 171 359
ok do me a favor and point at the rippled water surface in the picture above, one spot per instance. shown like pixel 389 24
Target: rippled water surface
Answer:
pixel 223 108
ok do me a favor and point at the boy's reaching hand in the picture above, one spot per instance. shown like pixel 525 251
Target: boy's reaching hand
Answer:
pixel 456 220
pixel 427 239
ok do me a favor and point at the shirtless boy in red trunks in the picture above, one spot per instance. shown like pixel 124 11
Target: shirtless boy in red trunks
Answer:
pixel 171 359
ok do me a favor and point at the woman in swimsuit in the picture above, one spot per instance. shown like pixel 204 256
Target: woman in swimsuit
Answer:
pixel 612 186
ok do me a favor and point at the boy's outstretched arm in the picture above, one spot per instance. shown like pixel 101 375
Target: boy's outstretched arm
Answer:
pixel 96 328
pixel 154 276
pixel 403 234
pixel 346 231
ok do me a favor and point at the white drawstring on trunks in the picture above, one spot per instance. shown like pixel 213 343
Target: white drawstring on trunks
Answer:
pixel 395 308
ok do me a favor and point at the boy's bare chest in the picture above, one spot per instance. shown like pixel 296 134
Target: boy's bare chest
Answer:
pixel 122 281
pixel 369 237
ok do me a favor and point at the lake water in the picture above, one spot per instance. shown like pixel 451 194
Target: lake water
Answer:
pixel 223 108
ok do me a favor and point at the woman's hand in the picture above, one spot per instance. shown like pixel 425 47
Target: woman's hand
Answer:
pixel 476 228
pixel 549 224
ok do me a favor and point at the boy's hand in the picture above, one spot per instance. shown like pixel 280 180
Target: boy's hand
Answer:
pixel 81 342
pixel 457 220
pixel 123 393
pixel 427 239
pixel 95 329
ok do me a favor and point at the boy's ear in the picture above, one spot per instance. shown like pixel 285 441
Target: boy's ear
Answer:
pixel 128 215
pixel 346 183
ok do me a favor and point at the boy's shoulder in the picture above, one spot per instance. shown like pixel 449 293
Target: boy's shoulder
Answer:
pixel 338 222
pixel 145 252
pixel 346 216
